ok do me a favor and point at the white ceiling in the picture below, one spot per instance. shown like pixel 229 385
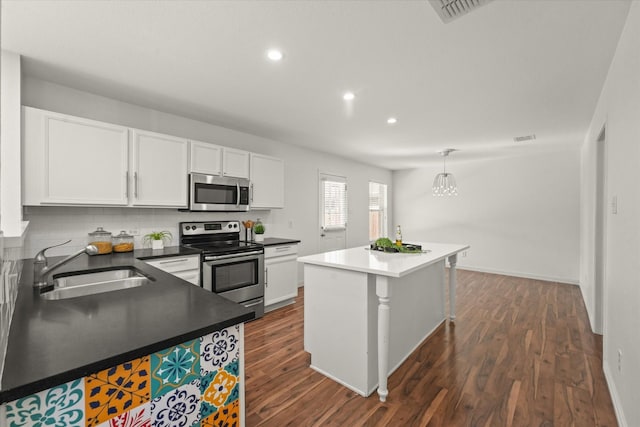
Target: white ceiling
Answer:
pixel 509 68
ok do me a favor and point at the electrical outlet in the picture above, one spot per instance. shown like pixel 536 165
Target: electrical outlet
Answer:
pixel 619 360
pixel 134 232
pixel 614 205
pixel 464 254
pixel 290 224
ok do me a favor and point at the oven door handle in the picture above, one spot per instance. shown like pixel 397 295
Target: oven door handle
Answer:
pixel 237 255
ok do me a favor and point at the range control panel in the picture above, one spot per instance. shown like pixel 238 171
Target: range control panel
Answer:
pixel 213 227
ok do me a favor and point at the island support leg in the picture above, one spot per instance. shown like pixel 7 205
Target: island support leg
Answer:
pixel 453 259
pixel 384 297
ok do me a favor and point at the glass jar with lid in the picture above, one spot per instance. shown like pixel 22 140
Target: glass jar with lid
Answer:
pixel 123 242
pixel 101 239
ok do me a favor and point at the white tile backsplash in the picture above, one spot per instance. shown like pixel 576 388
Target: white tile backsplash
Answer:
pixel 51 225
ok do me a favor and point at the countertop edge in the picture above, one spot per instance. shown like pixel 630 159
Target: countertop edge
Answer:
pixel 277 241
pixel 82 371
pixel 313 260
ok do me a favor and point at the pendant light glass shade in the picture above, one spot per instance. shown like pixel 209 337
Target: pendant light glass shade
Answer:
pixel 444 183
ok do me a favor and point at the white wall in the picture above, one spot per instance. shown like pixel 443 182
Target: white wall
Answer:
pixel 10 206
pixel 518 212
pixel 299 219
pixel 619 108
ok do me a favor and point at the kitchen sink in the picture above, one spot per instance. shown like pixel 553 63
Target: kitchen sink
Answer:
pixel 78 285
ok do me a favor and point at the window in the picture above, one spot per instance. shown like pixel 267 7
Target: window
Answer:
pixel 333 202
pixel 377 210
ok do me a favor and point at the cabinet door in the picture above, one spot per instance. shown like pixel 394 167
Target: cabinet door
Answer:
pixel 159 170
pixel 205 158
pixel 71 160
pixel 267 182
pixel 281 275
pixel 235 163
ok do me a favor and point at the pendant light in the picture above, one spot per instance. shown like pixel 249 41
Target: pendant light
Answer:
pixel 444 183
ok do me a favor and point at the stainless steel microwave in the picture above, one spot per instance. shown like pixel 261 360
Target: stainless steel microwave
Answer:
pixel 216 193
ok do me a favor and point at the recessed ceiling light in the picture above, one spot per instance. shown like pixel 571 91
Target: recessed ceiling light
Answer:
pixel 275 55
pixel 348 96
pixel 392 120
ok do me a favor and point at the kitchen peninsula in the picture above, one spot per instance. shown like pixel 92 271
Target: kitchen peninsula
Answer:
pixel 163 349
pixel 367 310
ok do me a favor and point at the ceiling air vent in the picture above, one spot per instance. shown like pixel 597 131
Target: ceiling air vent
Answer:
pixel 524 138
pixel 448 10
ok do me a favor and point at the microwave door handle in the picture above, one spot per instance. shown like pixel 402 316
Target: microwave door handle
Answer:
pixel 237 193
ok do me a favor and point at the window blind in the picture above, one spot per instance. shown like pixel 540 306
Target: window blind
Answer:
pixel 334 202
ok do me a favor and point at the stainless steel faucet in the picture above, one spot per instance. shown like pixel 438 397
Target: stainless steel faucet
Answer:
pixel 40 268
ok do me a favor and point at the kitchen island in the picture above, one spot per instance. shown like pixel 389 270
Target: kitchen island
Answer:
pixel 166 349
pixel 367 310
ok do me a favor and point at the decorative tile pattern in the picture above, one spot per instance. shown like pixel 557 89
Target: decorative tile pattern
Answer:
pixel 177 408
pixel 219 348
pixel 174 367
pixel 192 384
pixel 60 406
pixel 137 417
pixel 219 370
pixel 227 416
pixel 218 391
pixel 113 391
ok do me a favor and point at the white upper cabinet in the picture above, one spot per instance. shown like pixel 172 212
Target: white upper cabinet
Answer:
pixel 205 158
pixel 70 160
pixel 235 163
pixel 267 182
pixel 159 170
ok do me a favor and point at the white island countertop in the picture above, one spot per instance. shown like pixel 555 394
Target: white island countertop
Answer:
pixel 383 263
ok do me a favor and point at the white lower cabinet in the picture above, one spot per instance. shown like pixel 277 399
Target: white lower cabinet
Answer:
pixel 184 267
pixel 281 275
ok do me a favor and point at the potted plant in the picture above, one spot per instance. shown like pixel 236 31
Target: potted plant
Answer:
pixel 157 239
pixel 258 230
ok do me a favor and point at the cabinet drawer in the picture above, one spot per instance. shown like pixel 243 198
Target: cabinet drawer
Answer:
pixel 173 264
pixel 280 250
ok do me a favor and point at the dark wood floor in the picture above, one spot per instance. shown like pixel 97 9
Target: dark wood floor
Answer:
pixel 519 354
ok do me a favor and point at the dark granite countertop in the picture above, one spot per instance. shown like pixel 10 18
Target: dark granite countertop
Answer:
pixel 52 342
pixel 168 251
pixel 275 241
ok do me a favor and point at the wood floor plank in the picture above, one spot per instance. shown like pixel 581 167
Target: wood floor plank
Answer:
pixel 521 353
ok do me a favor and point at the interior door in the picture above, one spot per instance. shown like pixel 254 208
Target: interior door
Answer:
pixel 333 212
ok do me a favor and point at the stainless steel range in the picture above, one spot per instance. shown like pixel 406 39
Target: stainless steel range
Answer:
pixel 232 268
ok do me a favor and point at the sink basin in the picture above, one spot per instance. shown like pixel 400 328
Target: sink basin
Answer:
pixel 78 285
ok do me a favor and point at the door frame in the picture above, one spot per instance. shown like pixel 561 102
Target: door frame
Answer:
pixel 600 233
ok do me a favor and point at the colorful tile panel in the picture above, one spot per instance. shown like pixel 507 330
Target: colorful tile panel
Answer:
pixel 219 348
pixel 137 417
pixel 60 406
pixel 174 367
pixel 227 416
pixel 116 390
pixel 177 408
pixel 191 384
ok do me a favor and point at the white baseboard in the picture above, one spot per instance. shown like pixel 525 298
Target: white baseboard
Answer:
pixel 518 274
pixel 617 405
